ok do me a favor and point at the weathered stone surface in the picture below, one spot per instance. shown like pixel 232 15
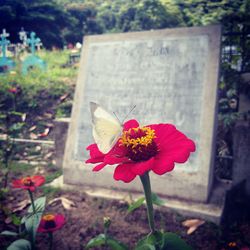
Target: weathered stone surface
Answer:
pixel 171 76
pixel 60 134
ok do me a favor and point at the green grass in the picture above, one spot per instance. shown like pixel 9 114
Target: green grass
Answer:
pixel 56 80
pixel 53 176
pixel 17 167
pixel 50 192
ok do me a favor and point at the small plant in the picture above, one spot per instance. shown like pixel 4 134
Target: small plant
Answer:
pixel 105 239
pixel 11 123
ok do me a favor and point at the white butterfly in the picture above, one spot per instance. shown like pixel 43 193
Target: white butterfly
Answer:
pixel 106 128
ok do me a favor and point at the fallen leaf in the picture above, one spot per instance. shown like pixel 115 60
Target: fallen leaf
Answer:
pixel 33 136
pixel 67 204
pixel 47 156
pixel 63 97
pixel 38 148
pixel 192 225
pixel 32 128
pixel 45 133
pixel 20 206
pixel 48 115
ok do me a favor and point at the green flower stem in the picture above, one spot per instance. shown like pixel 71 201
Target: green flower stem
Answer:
pixel 32 201
pixel 50 240
pixel 148 195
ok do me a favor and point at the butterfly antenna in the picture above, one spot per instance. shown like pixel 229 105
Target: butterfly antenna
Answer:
pixel 129 113
pixel 117 117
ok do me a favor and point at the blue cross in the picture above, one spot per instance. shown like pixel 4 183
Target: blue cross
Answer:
pixel 4 42
pixel 32 41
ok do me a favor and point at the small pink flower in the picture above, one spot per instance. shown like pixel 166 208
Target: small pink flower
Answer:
pixel 51 223
pixel 13 90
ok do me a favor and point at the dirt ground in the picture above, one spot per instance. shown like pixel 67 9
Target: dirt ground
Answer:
pixel 84 220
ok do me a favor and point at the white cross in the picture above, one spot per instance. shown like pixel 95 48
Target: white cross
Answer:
pixel 4 34
pixel 23 35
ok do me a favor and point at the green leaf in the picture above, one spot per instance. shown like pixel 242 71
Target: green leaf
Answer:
pixel 3 116
pixel 9 233
pixel 20 245
pixel 136 204
pixel 16 113
pixel 157 200
pixel 154 239
pixel 39 205
pixel 16 126
pixel 31 224
pixel 172 241
pixel 163 241
pixel 145 247
pixel 99 240
pixel 15 219
pixel 115 244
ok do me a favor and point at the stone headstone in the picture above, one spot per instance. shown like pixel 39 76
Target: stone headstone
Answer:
pixel 171 76
pixel 23 36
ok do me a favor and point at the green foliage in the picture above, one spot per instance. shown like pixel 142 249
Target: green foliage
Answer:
pixel 50 191
pixel 136 204
pixel 157 200
pixel 45 17
pixel 32 220
pixel 9 233
pixel 39 89
pixel 21 244
pixel 84 15
pixel 53 176
pixel 160 240
pixel 103 240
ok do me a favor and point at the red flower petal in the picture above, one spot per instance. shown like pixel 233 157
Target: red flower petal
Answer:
pixel 95 154
pixel 124 173
pixel 162 165
pixel 59 221
pixel 99 167
pixel 130 124
pixel 141 167
pixel 37 180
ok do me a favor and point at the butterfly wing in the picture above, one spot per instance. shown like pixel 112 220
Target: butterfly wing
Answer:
pixel 106 128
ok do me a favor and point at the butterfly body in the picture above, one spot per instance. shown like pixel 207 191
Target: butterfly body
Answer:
pixel 106 128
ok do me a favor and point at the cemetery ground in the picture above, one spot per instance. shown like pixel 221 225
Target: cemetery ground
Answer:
pixel 32 103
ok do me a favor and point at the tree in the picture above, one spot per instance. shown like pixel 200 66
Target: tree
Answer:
pixel 44 17
pixel 85 22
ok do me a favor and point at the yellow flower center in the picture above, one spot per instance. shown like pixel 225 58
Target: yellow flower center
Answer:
pixel 27 181
pixel 49 217
pixel 140 143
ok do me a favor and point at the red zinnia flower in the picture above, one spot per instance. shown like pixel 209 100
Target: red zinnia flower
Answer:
pixel 13 90
pixel 51 223
pixel 140 149
pixel 29 182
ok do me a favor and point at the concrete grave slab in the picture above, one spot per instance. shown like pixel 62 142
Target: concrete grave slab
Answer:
pixel 171 76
